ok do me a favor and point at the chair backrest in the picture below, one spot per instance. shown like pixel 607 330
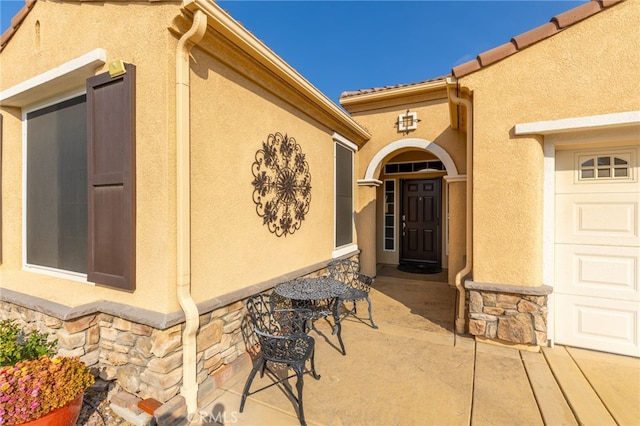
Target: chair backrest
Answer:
pixel 345 270
pixel 283 322
pixel 267 318
pixel 282 333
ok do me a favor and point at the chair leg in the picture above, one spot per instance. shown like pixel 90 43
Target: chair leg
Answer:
pixel 247 386
pixel 264 367
pixel 313 366
pixel 371 316
pixel 337 327
pixel 299 385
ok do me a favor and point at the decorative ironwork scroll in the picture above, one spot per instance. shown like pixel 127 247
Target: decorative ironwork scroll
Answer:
pixel 281 184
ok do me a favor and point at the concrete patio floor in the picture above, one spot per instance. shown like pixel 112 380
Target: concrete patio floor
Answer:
pixel 413 370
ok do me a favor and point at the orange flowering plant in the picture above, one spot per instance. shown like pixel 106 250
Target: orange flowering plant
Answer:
pixel 30 389
pixel 32 381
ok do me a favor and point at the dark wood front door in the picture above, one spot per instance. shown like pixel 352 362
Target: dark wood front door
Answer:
pixel 421 231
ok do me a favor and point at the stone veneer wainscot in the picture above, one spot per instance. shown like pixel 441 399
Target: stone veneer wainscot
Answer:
pixel 514 314
pixel 146 360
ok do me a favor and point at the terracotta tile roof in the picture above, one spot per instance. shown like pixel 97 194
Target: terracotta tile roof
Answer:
pixel 16 21
pixel 519 42
pixel 524 40
pixel 380 89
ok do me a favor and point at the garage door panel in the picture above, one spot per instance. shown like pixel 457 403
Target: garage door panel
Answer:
pixel 594 323
pixel 608 219
pixel 597 249
pixel 589 271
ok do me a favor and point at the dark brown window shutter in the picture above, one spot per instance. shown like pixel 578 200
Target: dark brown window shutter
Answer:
pixel 111 179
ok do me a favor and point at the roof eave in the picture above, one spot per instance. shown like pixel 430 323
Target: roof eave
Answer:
pixel 520 42
pixel 222 22
pixel 389 94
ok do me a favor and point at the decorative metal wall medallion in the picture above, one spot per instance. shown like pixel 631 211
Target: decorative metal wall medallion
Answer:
pixel 281 184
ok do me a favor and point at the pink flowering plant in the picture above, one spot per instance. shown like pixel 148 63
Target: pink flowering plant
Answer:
pixel 31 388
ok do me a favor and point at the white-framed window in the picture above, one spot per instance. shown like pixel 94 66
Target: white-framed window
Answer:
pixel 55 186
pixel 389 216
pixel 79 171
pixel 344 189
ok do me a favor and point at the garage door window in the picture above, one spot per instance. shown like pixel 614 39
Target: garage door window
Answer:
pixel 597 167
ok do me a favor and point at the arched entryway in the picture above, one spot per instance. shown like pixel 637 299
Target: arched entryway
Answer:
pixel 419 213
pixel 396 177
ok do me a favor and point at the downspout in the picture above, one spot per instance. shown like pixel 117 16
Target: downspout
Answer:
pixel 460 320
pixel 189 388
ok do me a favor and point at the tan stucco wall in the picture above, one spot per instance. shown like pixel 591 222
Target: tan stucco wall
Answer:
pixel 235 105
pixel 590 68
pixel 136 33
pixel 232 115
pixel 434 126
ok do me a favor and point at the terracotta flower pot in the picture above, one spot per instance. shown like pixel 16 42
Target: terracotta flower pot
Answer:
pixel 64 416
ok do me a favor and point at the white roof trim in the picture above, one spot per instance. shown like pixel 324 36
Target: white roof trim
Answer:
pixel 618 119
pixel 66 77
pixel 222 22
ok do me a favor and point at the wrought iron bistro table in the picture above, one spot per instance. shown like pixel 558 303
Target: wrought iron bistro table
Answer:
pixel 319 294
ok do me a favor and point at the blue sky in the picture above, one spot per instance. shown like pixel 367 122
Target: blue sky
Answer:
pixel 349 45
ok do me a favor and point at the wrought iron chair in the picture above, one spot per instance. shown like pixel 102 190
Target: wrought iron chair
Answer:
pixel 319 308
pixel 282 336
pixel 348 271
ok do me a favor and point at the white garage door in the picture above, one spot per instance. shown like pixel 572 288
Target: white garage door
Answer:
pixel 597 249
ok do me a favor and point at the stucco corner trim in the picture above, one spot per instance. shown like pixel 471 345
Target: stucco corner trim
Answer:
pixel 458 178
pixel 63 78
pixel 369 182
pixel 542 290
pixel 592 122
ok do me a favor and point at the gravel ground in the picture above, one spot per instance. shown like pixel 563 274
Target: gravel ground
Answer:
pixel 95 407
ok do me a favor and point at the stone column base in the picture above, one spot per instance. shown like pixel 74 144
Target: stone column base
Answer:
pixel 508 313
